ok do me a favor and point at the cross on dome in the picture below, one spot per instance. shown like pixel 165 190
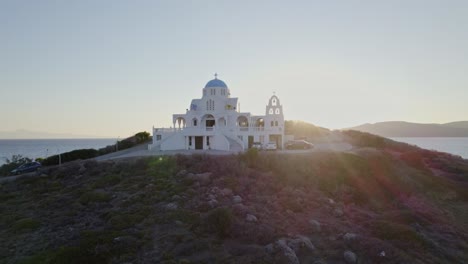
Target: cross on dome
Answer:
pixel 216 75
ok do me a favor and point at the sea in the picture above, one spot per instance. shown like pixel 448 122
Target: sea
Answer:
pixel 453 145
pixel 42 148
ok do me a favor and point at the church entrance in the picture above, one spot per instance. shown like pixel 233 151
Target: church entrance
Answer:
pixel 250 141
pixel 198 142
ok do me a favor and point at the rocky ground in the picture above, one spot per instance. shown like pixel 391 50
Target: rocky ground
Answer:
pixel 385 204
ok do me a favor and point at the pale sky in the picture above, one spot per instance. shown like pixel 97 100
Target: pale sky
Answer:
pixel 114 68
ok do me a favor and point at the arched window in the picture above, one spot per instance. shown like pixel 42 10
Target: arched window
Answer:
pixel 273 102
pixel 195 121
pixel 277 111
pixel 271 111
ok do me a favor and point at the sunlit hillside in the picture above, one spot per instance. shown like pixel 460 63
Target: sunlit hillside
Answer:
pixel 380 202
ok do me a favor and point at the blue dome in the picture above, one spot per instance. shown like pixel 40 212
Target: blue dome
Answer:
pixel 216 83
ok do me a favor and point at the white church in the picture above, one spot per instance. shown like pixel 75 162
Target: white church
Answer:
pixel 215 122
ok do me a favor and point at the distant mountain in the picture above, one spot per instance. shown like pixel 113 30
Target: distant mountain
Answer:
pixel 27 134
pixel 407 129
pixel 459 124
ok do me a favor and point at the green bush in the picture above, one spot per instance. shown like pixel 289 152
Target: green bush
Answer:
pixel 107 180
pixel 25 224
pixel 71 156
pixel 94 197
pixel 162 167
pixel 394 231
pixel 13 163
pixel 220 221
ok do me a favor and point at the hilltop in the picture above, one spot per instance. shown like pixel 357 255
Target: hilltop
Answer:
pixel 407 129
pixel 380 202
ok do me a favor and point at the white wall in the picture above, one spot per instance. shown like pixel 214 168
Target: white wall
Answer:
pixel 219 142
pixel 174 142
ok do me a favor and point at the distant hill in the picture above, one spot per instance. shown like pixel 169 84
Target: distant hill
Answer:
pixel 407 129
pixel 301 129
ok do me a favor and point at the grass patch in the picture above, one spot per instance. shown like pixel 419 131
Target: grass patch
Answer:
pixel 94 197
pixel 107 180
pixel 393 231
pixel 220 221
pixel 26 224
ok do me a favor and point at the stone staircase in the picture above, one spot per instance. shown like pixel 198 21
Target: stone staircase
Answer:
pixel 234 145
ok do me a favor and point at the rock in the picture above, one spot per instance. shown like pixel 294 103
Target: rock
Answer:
pixel 348 237
pixel 251 218
pixel 239 209
pixel 211 197
pixel 286 252
pixel 82 169
pixel 237 199
pixel 270 248
pixel 176 197
pixel 213 203
pixel 299 243
pixel 349 256
pixel 319 262
pixel 226 192
pixel 338 212
pixel 382 254
pixel 181 173
pixel 203 178
pixel 171 206
pixel 316 226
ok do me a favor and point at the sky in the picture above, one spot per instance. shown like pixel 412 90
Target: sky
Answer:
pixel 114 68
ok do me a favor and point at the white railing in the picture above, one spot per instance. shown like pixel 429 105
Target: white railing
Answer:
pixel 164 130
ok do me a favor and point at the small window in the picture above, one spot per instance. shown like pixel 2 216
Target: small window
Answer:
pixel 207 141
pixel 273 102
pixel 158 137
pixel 277 111
pixel 190 141
pixel 271 111
pixel 194 122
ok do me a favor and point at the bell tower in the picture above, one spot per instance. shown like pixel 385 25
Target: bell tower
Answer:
pixel 274 113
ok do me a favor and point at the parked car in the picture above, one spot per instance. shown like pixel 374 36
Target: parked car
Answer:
pixel 257 145
pixel 27 167
pixel 299 144
pixel 271 146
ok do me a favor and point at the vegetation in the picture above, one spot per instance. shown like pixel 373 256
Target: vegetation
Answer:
pixel 13 163
pixel 303 130
pixel 398 199
pixel 70 156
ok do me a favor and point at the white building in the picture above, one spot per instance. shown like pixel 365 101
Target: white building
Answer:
pixel 214 122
